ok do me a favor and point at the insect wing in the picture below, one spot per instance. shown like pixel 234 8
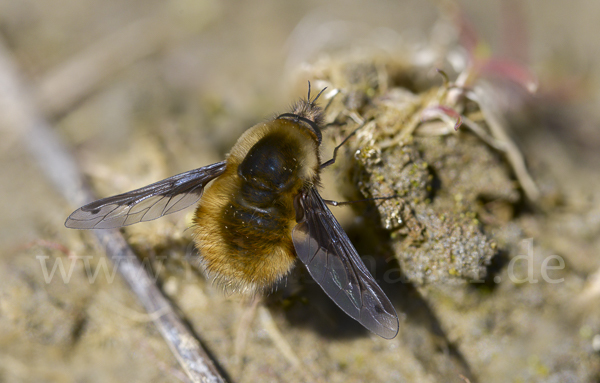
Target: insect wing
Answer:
pixel 332 261
pixel 147 203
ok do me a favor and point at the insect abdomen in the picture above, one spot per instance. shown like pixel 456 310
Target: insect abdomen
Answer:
pixel 250 231
pixel 242 247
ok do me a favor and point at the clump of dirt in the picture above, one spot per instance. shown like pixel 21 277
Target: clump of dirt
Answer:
pixel 463 208
pixel 442 180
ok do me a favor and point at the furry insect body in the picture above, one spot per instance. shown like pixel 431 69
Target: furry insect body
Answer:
pixel 261 212
pixel 243 225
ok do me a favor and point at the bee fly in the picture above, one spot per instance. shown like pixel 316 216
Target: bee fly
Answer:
pixel 261 210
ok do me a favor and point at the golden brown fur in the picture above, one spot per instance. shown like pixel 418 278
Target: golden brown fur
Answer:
pixel 243 246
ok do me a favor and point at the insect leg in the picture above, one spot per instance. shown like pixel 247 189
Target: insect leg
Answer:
pixel 332 161
pixel 336 203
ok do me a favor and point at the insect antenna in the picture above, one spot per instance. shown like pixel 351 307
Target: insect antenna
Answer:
pixel 316 97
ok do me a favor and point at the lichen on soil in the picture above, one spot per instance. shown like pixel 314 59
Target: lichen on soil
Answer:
pixel 458 220
pixel 441 182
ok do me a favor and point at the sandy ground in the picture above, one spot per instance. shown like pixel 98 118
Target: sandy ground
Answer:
pixel 171 87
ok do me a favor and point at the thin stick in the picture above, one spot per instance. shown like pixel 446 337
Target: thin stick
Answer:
pixel 495 121
pixel 75 79
pixel 20 115
pixel 78 77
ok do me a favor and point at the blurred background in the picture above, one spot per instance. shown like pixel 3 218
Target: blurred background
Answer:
pixel 141 90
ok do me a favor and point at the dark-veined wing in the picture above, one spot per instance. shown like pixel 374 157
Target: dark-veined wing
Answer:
pixel 332 261
pixel 147 203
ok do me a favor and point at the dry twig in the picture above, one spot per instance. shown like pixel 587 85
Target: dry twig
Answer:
pixel 74 80
pixel 20 115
